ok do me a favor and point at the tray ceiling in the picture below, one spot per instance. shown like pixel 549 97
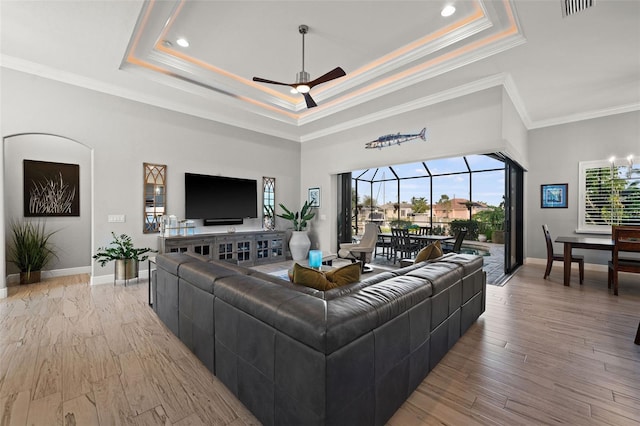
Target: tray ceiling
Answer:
pixel 398 55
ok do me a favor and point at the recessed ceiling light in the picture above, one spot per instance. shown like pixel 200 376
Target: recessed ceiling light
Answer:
pixel 182 42
pixel 448 10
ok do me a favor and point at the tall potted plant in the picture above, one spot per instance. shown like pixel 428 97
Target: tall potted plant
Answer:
pixel 126 256
pixel 30 249
pixel 299 243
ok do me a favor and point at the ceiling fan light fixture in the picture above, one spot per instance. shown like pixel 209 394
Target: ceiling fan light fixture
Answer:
pixel 302 88
pixel 448 10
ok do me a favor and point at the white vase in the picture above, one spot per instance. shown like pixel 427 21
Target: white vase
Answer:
pixel 299 245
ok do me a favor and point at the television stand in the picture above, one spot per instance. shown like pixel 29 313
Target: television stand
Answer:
pixel 247 248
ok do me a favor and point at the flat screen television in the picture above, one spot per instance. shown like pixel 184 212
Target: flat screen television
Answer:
pixel 219 198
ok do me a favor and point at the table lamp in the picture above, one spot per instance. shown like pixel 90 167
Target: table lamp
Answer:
pixel 315 258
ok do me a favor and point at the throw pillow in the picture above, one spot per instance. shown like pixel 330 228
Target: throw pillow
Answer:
pixel 431 251
pixel 345 275
pixel 310 277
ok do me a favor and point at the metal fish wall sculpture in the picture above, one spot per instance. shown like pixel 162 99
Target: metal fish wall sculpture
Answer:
pixel 397 139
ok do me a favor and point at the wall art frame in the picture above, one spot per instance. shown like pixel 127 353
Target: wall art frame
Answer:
pixel 51 189
pixel 554 196
pixel 314 197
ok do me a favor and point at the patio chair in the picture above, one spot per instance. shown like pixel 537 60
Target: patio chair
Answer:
pixel 362 251
pixel 384 242
pixel 457 244
pixel 402 243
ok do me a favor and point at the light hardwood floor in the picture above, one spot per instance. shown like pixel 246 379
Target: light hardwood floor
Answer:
pixel 72 354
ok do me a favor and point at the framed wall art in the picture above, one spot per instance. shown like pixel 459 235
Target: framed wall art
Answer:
pixel 51 189
pixel 314 197
pixel 554 196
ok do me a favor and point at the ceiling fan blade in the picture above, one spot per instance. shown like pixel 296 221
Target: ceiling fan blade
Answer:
pixel 310 102
pixel 262 80
pixel 331 75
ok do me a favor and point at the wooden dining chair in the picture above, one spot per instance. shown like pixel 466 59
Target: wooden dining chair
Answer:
pixel 637 341
pixel 559 257
pixel 626 239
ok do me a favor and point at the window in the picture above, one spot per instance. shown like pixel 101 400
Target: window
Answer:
pixel 609 195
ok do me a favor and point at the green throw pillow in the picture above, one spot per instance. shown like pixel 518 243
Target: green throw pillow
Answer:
pixel 310 278
pixel 431 251
pixel 345 275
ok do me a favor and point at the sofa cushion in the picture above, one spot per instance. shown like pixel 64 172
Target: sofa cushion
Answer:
pixel 204 274
pixel 344 275
pixel 170 262
pixel 359 312
pixel 431 251
pixel 310 277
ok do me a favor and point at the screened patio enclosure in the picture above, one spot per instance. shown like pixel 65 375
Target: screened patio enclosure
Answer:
pixel 432 193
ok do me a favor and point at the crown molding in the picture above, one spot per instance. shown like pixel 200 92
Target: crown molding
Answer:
pixel 589 115
pixel 504 79
pixel 453 93
pixel 77 80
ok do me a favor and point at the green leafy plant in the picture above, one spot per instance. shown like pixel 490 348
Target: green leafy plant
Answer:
pixel 121 248
pixel 470 225
pixel 31 248
pixel 400 223
pixel 298 219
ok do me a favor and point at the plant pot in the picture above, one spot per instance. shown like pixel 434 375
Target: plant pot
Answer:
pixel 498 237
pixel 30 277
pixel 126 269
pixel 299 245
pixel 482 238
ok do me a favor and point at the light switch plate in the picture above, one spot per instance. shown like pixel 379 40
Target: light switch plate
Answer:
pixel 116 218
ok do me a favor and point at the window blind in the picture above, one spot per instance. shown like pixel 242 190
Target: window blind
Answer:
pixel 609 195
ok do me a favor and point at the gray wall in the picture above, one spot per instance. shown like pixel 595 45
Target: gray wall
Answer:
pixel 479 123
pixel 61 150
pixel 123 135
pixel 554 154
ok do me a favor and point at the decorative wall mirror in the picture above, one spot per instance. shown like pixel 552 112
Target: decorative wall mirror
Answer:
pixel 269 202
pixel 155 196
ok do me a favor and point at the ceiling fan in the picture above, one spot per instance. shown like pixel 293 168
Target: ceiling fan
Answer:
pixel 302 84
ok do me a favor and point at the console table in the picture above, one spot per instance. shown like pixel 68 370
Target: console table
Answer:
pixel 246 248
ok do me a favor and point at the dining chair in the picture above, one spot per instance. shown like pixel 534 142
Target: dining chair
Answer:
pixel 384 242
pixel 402 243
pixel 457 244
pixel 626 239
pixel 559 257
pixel 423 230
pixel 637 341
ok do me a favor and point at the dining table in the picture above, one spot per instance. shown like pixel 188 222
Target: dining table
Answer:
pixel 422 240
pixel 588 243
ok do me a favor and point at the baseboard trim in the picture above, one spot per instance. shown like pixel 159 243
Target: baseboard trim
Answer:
pixel 14 279
pixel 109 278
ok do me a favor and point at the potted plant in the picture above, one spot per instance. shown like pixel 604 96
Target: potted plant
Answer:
pixel 31 249
pixel 299 243
pixel 126 256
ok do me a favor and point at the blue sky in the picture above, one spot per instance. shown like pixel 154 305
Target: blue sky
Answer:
pixel 487 186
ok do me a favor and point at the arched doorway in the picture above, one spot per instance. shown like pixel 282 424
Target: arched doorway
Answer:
pixel 74 236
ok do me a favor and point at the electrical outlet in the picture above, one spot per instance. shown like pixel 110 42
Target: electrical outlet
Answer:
pixel 119 218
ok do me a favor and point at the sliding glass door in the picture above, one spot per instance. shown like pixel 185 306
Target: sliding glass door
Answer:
pixel 514 216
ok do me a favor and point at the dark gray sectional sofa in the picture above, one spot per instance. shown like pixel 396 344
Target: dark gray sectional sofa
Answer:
pixel 299 356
